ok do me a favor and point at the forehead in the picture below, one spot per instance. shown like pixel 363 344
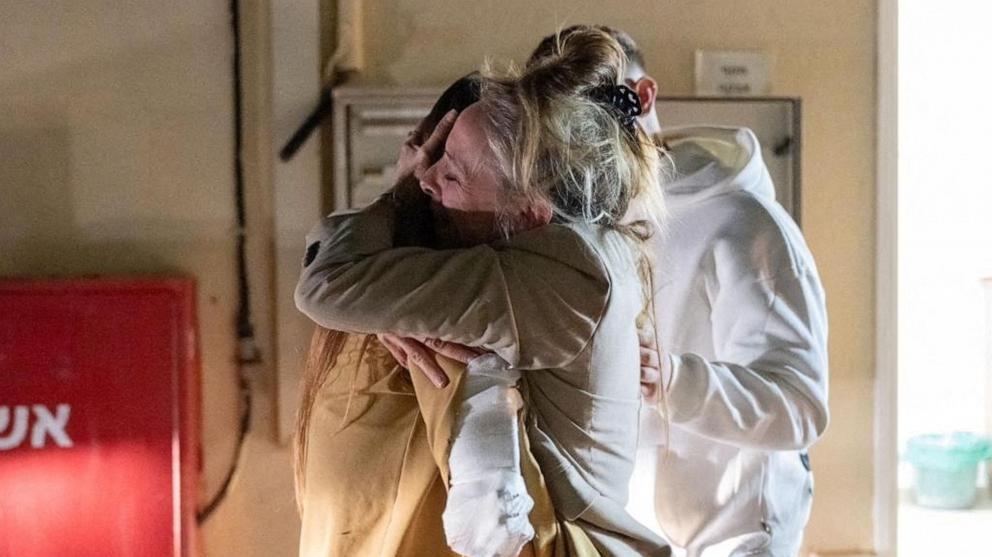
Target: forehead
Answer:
pixel 467 143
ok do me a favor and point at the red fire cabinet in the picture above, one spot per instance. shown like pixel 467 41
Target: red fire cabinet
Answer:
pixel 99 429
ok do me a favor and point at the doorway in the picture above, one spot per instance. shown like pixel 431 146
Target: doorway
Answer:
pixel 935 256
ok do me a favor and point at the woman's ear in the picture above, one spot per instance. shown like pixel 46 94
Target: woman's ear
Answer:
pixel 533 215
pixel 647 91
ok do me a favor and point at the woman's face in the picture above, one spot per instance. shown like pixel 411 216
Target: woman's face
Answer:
pixel 465 190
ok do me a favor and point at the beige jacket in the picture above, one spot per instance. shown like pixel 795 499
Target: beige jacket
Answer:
pixel 559 301
pixel 376 466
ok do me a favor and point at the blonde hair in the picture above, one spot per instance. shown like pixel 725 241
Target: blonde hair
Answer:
pixel 554 141
pixel 557 142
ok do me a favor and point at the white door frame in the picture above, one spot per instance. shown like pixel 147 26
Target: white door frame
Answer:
pixel 886 496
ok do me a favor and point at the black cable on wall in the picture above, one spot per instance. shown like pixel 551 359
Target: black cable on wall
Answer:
pixel 247 350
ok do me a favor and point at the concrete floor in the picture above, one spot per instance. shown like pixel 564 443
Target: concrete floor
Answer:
pixel 941 533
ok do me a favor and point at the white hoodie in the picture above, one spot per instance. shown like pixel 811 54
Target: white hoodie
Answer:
pixel 742 319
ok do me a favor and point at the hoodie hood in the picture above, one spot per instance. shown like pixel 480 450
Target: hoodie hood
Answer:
pixel 714 160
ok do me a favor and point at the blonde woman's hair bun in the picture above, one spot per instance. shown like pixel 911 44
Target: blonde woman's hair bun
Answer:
pixel 556 136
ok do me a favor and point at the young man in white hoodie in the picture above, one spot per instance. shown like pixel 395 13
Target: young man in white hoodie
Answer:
pixel 742 327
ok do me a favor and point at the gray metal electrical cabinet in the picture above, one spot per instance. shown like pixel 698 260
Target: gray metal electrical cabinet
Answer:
pixel 370 124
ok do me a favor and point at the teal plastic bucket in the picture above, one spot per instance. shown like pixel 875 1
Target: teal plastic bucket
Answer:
pixel 947 468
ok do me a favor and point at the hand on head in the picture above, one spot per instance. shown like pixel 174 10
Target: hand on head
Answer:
pixel 420 151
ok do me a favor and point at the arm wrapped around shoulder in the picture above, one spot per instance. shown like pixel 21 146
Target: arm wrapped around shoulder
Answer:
pixel 534 299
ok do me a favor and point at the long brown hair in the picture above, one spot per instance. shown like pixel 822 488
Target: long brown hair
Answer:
pixel 325 347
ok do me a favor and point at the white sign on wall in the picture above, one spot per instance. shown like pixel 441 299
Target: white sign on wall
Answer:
pixel 732 74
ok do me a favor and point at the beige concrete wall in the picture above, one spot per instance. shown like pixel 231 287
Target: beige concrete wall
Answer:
pixel 115 138
pixel 116 158
pixel 824 52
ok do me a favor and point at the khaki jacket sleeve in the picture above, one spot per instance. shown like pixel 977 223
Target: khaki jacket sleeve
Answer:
pixel 535 300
